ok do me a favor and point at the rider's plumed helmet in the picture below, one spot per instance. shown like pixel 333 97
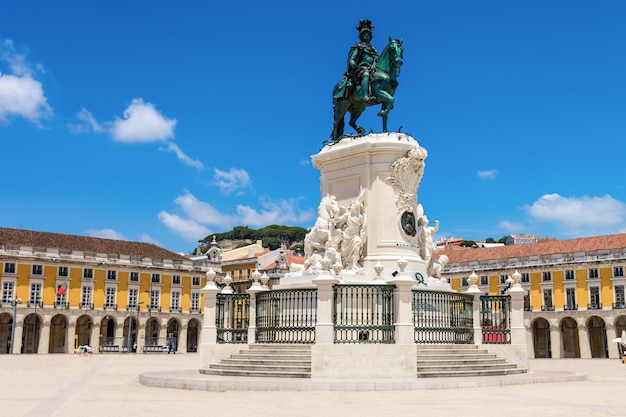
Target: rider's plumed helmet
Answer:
pixel 365 25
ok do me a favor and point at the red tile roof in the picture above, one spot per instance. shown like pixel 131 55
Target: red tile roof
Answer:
pixel 18 237
pixel 609 243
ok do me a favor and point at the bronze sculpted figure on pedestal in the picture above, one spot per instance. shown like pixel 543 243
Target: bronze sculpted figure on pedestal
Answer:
pixel 370 80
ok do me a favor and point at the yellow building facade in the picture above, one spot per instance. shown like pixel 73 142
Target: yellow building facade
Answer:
pixel 61 291
pixel 575 302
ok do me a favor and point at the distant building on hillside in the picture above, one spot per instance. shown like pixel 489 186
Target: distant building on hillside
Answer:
pixel 521 239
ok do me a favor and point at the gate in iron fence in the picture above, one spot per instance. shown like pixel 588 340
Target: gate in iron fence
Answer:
pixel 286 316
pixel 363 313
pixel 232 318
pixel 495 319
pixel 442 317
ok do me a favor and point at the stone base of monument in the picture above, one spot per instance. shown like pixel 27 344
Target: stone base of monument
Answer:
pixel 370 227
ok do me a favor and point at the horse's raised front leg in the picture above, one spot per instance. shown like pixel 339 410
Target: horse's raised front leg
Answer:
pixel 387 105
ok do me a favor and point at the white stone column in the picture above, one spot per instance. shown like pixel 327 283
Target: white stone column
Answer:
pixel 403 311
pixel 324 329
pixel 556 347
pixel 612 347
pixel 182 339
pixel 518 331
pixel 475 291
pixel 210 291
pixel 17 343
pixel 44 339
pixel 119 333
pixel 253 290
pixel 583 341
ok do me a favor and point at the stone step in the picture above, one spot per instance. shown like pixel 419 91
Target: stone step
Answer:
pixel 464 367
pixel 251 355
pixel 267 361
pixel 443 346
pixel 459 361
pixel 267 374
pixel 270 351
pixel 453 357
pixel 470 373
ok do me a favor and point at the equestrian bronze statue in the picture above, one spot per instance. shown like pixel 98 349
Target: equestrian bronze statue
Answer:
pixel 370 80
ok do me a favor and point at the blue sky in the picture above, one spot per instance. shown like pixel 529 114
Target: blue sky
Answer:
pixel 165 122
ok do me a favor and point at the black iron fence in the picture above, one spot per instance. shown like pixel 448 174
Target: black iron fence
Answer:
pixel 495 318
pixel 363 314
pixel 232 318
pixel 286 316
pixel 442 317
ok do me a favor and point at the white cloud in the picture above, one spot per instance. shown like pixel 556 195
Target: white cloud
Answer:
pixel 186 228
pixel 196 215
pixel 21 95
pixel 203 212
pixel 580 215
pixel 106 233
pixel 142 123
pixel 146 238
pixel 511 227
pixel 279 212
pixel 488 175
pixel 230 181
pixel 87 123
pixel 173 148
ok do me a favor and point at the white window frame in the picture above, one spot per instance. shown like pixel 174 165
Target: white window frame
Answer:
pixel 110 297
pixel 10 268
pixel 195 301
pixel 86 296
pixel 35 294
pixel 8 292
pixel 175 301
pixel 133 297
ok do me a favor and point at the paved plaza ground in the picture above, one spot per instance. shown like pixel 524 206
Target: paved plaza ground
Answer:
pixel 108 385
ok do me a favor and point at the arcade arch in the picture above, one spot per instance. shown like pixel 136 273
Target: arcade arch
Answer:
pixel 596 328
pixel 173 333
pixel 107 331
pixel 31 333
pixel 569 337
pixel 541 338
pixel 84 324
pixel 6 327
pixel 58 334
pixel 193 335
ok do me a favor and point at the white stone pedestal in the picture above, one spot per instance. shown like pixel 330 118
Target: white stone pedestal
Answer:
pixel 363 168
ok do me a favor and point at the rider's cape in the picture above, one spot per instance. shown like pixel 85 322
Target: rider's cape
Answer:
pixel 343 87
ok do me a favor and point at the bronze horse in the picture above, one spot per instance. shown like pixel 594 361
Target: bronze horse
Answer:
pixel 383 84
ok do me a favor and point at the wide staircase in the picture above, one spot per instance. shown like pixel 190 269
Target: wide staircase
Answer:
pixel 460 361
pixel 294 361
pixel 279 361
